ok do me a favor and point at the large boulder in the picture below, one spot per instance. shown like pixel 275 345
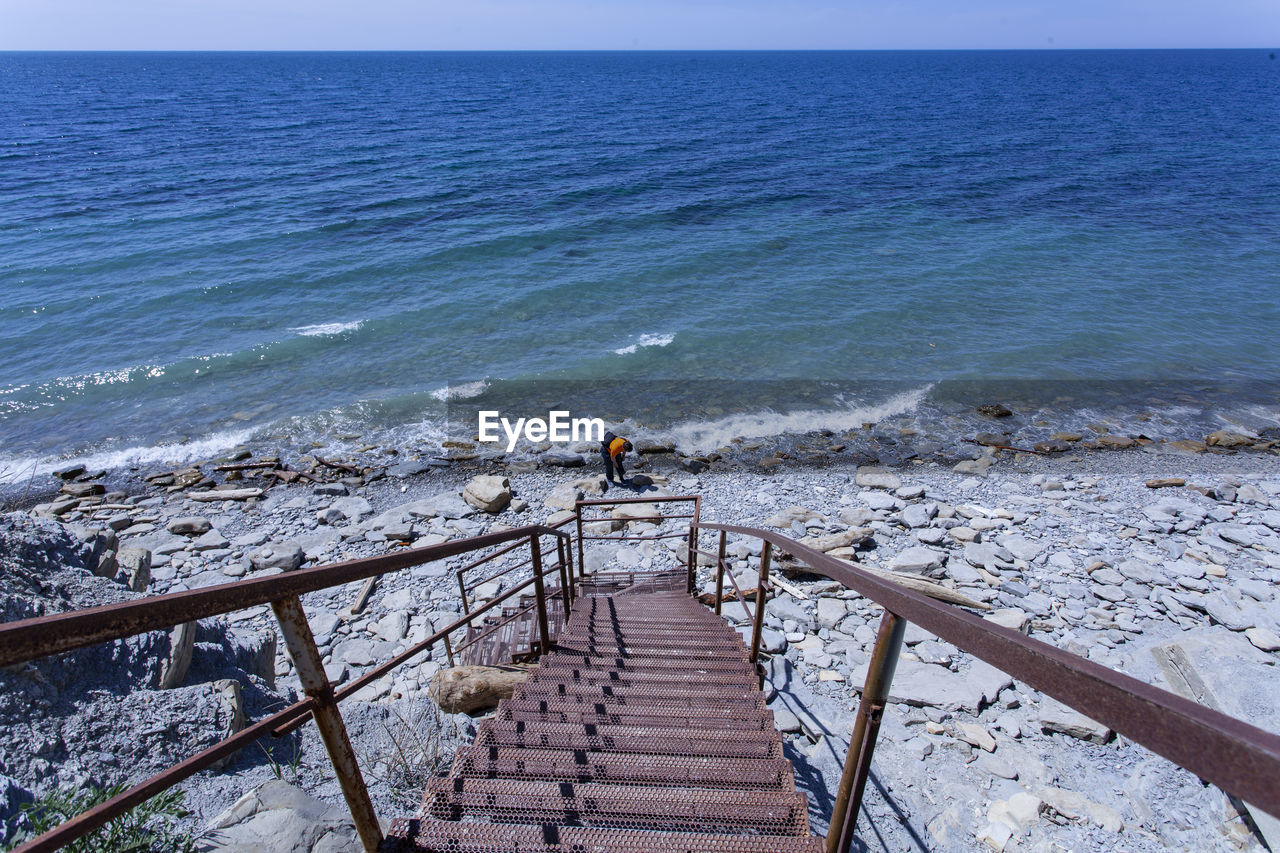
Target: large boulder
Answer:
pixel 488 492
pixel 285 556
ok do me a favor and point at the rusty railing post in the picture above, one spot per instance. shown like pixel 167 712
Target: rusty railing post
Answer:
pixel 448 649
pixel 582 561
pixel 568 561
pixel 762 596
pixel 693 558
pixel 562 566
pixel 866 727
pixel 462 589
pixel 540 592
pixel 306 660
pixel 720 573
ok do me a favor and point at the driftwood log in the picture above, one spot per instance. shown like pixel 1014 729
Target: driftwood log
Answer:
pixel 467 689
pixel 912 582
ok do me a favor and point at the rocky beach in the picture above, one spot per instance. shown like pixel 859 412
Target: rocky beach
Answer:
pixel 1157 558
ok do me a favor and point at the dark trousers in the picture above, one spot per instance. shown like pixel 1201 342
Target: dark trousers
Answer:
pixel 608 466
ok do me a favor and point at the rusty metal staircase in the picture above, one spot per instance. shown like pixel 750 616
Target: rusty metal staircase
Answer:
pixel 512 637
pixel 643 731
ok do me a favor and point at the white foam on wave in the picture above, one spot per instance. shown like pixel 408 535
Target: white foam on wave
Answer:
pixel 20 469
pixel 703 436
pixel 646 340
pixel 461 391
pixel 321 329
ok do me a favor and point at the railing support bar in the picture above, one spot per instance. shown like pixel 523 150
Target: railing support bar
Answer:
pixel 448 650
pixel 462 590
pixel 306 660
pixel 568 561
pixel 582 561
pixel 762 597
pixel 692 558
pixel 539 590
pixel 866 727
pixel 720 573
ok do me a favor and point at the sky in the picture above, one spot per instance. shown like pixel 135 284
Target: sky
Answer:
pixel 634 24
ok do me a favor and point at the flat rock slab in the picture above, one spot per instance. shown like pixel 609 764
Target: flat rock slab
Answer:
pixel 870 477
pixel 1057 717
pixel 924 684
pixel 277 817
pixel 1225 672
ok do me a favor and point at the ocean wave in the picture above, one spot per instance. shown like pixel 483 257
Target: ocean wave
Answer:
pixel 461 391
pixel 703 436
pixel 646 340
pixel 323 329
pixel 15 469
pixel 25 397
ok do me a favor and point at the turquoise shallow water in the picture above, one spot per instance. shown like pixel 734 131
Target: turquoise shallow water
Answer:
pixel 206 247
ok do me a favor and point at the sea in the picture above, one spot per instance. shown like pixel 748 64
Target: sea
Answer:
pixel 206 250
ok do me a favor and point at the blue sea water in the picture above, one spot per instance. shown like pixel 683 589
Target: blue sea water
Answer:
pixel 201 248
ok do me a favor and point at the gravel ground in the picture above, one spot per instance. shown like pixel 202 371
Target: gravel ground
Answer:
pixel 1075 549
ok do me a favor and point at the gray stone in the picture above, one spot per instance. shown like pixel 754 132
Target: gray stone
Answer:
pixel 563 497
pixel 962 573
pixel 393 627
pixel 353 508
pixel 1010 617
pixel 286 556
pixel 134 568
pixel 785 607
pixel 785 518
pixel 488 492
pixel 414 467
pixel 879 501
pixel 918 560
pixel 1236 534
pixel 984 554
pixel 1263 639
pixel 870 477
pixel 830 612
pixel 1138 570
pixel 174 666
pixel 1227 613
pixel 211 540
pixel 1224 672
pixel 1056 717
pixel 924 684
pixel 190 525
pixel 323 624
pixel 997 767
pixel 1021 547
pixel 1075 806
pixel 919 515
pixel 279 818
pixel 785 721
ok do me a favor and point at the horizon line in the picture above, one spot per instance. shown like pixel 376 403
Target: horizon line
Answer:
pixel 1041 49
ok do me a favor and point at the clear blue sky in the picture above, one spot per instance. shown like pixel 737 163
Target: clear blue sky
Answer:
pixel 632 24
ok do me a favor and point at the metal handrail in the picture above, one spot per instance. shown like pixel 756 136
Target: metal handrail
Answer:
pixel 1241 759
pixel 464 587
pixel 31 639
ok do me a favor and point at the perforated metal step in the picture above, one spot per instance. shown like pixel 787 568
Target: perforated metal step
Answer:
pixel 644 731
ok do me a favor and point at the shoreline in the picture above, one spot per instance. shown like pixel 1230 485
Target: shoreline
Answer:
pixel 889 423
pixel 998 434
